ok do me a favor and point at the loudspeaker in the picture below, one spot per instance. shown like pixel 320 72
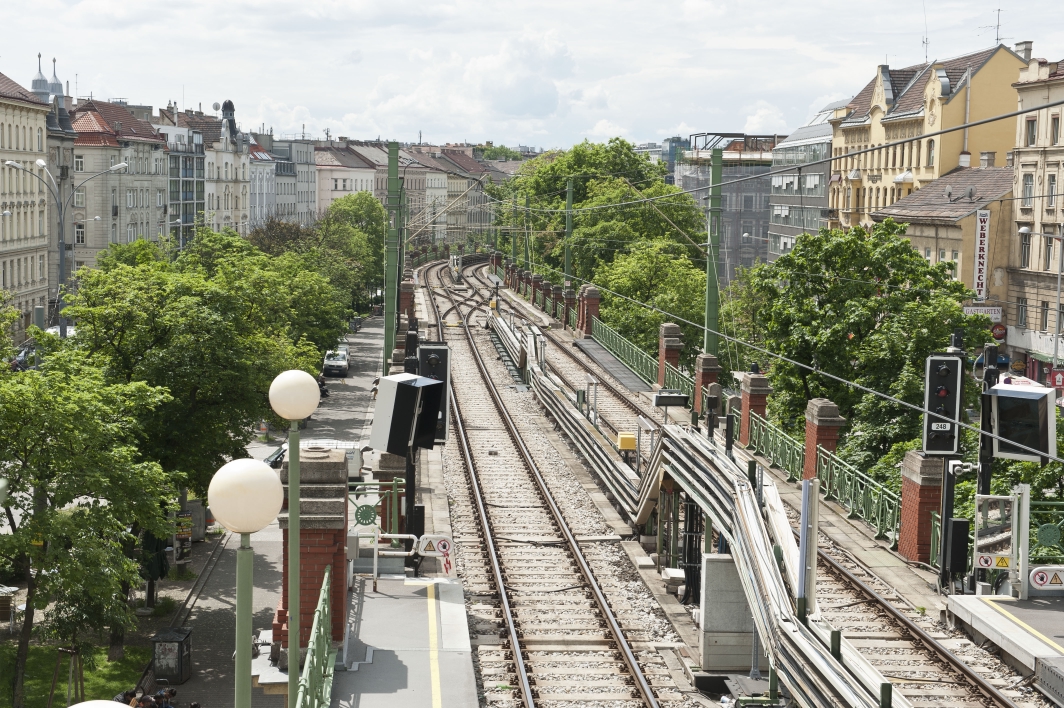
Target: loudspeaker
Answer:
pixel 405 414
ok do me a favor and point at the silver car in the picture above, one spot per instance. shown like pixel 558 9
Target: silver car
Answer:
pixel 335 363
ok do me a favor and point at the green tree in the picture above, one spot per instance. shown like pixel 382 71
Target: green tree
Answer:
pixel 652 273
pixel 863 306
pixel 499 152
pixel 362 212
pixel 78 484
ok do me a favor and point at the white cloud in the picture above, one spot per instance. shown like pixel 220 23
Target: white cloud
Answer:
pixel 510 72
pixel 764 118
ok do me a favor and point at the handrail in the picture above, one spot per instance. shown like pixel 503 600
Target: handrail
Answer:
pixel 315 683
pixel 861 496
pixel 644 365
pixel 780 449
pixel 676 379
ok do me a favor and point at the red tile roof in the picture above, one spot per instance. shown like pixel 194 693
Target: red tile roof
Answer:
pixel 464 162
pixel 113 122
pixel 12 91
pixel 208 126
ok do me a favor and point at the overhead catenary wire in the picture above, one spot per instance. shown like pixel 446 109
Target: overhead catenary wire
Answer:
pixel 815 370
pixel 790 169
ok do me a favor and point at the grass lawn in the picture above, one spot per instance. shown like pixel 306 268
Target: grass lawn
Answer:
pixel 108 679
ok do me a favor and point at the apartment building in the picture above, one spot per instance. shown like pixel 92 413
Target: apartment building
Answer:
pixel 301 181
pixel 906 104
pixel 24 229
pixel 341 171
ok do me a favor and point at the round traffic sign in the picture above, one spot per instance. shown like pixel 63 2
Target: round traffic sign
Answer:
pixel 443 546
pixel 1039 578
pixel 985 561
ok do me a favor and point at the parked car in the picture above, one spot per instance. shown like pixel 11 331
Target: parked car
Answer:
pixel 335 363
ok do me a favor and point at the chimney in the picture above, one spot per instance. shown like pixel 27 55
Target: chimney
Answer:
pixel 1024 49
pixel 965 159
pixel 986 159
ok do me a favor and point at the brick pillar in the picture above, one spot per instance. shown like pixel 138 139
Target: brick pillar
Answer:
pixel 406 299
pixel 670 342
pixel 921 493
pixel 323 541
pixel 547 289
pixel 591 308
pixel 707 371
pixel 537 281
pixel 755 391
pixel 822 427
pixel 569 300
pixel 556 301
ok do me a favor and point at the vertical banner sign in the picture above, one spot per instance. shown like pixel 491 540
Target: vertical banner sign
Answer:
pixel 982 238
pixel 183 536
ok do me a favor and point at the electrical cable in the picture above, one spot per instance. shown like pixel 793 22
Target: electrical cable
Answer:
pixel 819 372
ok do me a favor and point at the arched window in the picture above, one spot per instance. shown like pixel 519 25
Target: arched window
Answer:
pixel 227 170
pixel 930 153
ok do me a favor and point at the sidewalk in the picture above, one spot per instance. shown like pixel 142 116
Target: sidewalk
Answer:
pixel 213 620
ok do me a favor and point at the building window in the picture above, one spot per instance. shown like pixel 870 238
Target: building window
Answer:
pixel 129 198
pixel 1021 312
pixel 1049 253
pixel 79 163
pixel 79 198
pixel 1032 132
pixel 1054 130
pixel 930 153
pixel 1028 191
pixel 941 255
pixel 158 197
pixel 130 233
pixel 1025 250
pixel 927 254
pixel 1045 316
pixel 114 233
pixel 79 234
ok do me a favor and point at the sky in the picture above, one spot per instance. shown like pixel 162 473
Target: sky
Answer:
pixel 546 74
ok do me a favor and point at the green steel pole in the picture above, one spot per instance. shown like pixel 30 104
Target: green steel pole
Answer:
pixel 513 232
pixel 242 688
pixel 568 231
pixel 528 223
pixel 716 173
pixel 293 562
pixel 391 255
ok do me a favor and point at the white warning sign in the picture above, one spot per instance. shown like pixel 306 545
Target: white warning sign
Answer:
pixel 1048 577
pixel 434 546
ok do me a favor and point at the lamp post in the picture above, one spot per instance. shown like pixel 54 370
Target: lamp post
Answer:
pixel 294 395
pixel 61 205
pixel 1024 231
pixel 245 496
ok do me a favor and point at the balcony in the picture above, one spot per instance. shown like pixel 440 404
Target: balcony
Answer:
pixel 1033 340
pixel 185 148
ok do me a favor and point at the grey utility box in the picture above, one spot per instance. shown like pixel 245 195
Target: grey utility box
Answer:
pixel 172 654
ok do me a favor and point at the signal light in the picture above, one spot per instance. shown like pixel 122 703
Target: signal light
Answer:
pixel 943 390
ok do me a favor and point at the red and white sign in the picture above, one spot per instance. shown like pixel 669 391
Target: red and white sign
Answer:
pixel 982 244
pixel 1051 576
pixel 998 332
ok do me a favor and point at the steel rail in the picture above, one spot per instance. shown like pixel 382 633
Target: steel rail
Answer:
pixel 585 569
pixel 489 539
pixel 977 681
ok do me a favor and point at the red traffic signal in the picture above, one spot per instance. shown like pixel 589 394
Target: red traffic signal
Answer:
pixel 942 392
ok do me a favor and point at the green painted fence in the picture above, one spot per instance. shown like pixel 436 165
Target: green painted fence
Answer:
pixel 644 365
pixel 315 683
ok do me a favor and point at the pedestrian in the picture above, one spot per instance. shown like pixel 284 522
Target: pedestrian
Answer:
pixel 125 697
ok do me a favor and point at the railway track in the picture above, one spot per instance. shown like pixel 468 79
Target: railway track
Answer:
pixel 927 663
pixel 556 617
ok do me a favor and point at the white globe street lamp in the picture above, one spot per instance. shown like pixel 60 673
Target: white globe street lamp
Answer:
pixel 294 395
pixel 245 496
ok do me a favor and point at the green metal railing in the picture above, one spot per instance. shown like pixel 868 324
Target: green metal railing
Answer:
pixel 863 497
pixel 645 366
pixel 936 534
pixel 385 505
pixel 780 449
pixel 572 317
pixel 676 379
pixel 315 683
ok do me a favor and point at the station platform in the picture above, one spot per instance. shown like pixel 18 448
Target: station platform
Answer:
pixel 408 645
pixel 1025 630
pixel 611 364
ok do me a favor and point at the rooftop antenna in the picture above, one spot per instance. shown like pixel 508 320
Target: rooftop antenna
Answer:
pixel 996 27
pixel 925 41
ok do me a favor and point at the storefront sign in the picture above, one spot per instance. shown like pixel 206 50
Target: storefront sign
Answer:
pixel 982 240
pixel 1018 366
pixel 994 313
pixel 998 331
